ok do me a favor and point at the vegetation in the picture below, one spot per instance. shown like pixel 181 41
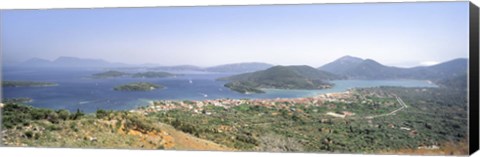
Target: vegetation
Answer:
pixel 14 114
pixel 28 126
pixel 151 74
pixel 243 87
pixel 27 84
pixel 109 74
pixel 138 86
pixel 17 100
pixel 434 117
pixel 454 83
pixel 281 77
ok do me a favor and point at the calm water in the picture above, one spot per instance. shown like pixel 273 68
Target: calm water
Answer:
pixel 76 90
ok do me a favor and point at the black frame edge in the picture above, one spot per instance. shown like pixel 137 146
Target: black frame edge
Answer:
pixel 473 79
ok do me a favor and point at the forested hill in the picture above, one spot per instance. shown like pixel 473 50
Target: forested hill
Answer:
pixel 281 77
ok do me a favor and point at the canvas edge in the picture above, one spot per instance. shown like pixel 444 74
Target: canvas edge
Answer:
pixel 473 95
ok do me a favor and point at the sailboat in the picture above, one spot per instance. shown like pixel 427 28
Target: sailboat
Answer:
pixel 204 95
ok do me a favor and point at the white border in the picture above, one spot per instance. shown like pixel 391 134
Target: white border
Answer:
pixel 47 4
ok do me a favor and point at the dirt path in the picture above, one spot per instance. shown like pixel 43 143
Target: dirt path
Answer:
pixel 184 141
pixel 393 112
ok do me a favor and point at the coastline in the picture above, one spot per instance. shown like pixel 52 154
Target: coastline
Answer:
pixel 196 105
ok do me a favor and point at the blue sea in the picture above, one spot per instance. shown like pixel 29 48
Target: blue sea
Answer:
pixel 76 90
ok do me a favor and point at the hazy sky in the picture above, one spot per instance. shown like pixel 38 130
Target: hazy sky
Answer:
pixel 400 34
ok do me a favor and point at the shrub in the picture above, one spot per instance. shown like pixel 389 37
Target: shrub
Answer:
pixel 63 114
pixel 140 123
pixel 29 134
pixel 101 114
pixel 53 117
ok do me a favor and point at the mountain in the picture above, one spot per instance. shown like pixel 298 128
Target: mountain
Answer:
pixel 81 62
pixel 177 68
pixel 227 68
pixel 280 77
pixel 240 67
pixel 356 68
pixel 342 64
pixel 69 62
pixel 448 69
pixel 370 69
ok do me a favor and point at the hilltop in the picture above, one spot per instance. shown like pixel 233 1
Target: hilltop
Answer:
pixel 103 129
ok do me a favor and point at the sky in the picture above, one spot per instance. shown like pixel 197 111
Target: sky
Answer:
pixel 397 34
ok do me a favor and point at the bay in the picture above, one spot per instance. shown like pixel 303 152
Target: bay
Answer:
pixel 76 90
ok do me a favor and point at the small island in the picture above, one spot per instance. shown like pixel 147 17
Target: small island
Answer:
pixel 152 74
pixel 243 87
pixel 138 86
pixel 27 84
pixel 110 74
pixel 20 100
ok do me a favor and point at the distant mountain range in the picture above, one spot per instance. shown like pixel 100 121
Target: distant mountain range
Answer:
pixel 177 68
pixel 239 67
pixel 450 74
pixel 357 68
pixel 69 62
pixel 226 68
pixel 348 67
pixel 281 77
pixel 73 62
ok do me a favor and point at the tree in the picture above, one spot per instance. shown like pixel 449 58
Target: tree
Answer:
pixel 77 115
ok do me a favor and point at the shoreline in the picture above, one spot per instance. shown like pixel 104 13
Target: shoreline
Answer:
pixel 195 105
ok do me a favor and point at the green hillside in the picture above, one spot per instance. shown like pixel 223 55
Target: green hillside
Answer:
pixel 280 77
pixel 138 86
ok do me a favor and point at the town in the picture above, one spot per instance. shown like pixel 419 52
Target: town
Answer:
pixel 328 100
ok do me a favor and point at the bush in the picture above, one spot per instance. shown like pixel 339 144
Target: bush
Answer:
pixel 63 114
pixel 53 117
pixel 29 134
pixel 101 114
pixel 140 123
